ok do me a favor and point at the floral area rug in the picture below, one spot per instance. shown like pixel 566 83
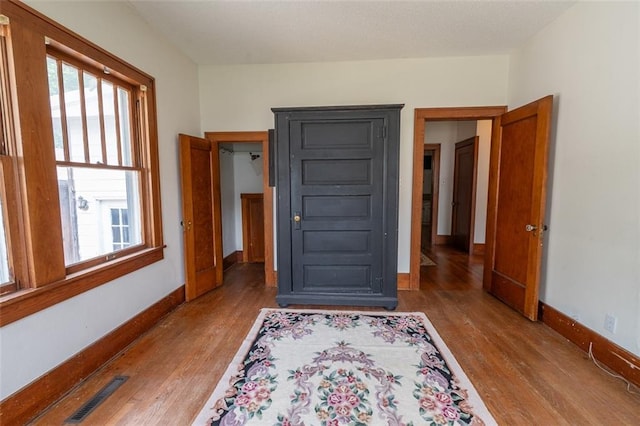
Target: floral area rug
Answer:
pixel 304 367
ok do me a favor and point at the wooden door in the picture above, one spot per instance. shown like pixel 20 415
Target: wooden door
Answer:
pixel 464 187
pixel 202 256
pixel 515 215
pixel 252 228
pixel 337 211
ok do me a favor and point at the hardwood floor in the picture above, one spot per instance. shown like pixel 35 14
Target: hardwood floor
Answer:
pixel 526 373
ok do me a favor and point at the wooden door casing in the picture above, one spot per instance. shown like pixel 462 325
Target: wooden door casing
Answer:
pixel 203 259
pixel 464 193
pixel 252 228
pixel 517 195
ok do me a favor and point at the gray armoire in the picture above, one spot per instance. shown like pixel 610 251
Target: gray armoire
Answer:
pixel 337 204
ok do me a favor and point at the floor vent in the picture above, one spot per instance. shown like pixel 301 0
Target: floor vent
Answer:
pixel 97 399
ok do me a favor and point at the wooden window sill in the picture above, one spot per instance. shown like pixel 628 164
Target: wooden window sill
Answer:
pixel 25 302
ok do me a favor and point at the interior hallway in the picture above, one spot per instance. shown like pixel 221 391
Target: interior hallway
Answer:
pixel 526 373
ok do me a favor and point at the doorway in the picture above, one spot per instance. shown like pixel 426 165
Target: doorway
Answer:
pixel 423 116
pixel 254 148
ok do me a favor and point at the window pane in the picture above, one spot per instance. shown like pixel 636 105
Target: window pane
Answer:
pixel 115 231
pixel 93 118
pixel 73 110
pixel 87 198
pixel 54 101
pixel 115 217
pixel 5 275
pixel 111 135
pixel 125 126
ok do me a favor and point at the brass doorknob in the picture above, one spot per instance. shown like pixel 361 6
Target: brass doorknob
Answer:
pixel 296 218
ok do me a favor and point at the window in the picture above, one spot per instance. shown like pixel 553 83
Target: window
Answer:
pixel 79 178
pixel 91 112
pixel 120 229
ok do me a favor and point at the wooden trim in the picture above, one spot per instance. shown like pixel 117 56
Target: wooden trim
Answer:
pixel 232 259
pixel 606 352
pixel 474 190
pixel 492 201
pixel 443 240
pixel 26 302
pixel 416 202
pixel 26 403
pixel 478 249
pixel 421 116
pixel 216 139
pixel 404 281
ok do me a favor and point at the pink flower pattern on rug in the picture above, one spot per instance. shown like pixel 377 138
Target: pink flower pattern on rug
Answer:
pixel 342 385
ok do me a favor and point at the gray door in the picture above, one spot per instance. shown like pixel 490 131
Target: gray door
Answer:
pixel 336 171
pixel 337 206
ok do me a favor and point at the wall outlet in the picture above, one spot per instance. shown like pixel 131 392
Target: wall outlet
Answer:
pixel 610 323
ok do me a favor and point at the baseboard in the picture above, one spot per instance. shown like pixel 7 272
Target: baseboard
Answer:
pixel 605 351
pixel 477 249
pixel 232 259
pixel 404 281
pixel 32 399
pixel 271 281
pixel 443 240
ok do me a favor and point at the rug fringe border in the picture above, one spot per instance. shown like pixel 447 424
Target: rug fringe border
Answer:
pixel 474 398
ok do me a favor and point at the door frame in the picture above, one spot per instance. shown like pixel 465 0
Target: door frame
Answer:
pixel 421 116
pixel 217 138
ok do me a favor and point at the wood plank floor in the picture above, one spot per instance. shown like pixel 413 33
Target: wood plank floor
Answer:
pixel 526 373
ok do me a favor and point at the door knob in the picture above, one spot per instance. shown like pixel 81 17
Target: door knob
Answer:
pixel 296 218
pixel 530 228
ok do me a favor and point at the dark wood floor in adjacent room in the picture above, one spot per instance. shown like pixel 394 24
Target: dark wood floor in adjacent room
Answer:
pixel 526 373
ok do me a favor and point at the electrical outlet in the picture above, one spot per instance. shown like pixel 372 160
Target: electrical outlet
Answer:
pixel 610 323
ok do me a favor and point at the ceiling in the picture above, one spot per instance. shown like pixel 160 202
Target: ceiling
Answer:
pixel 267 31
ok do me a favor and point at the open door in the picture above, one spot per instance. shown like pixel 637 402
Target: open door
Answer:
pixel 516 205
pixel 201 223
pixel 464 193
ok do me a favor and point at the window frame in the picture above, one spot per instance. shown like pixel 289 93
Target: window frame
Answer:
pixel 38 264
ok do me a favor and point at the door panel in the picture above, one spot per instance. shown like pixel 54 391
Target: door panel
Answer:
pixel 464 193
pixel 515 216
pixel 197 177
pixel 332 190
pixel 252 227
pixel 337 205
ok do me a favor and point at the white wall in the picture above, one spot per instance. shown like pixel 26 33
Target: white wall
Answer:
pixel 37 343
pixel 245 181
pixel 240 98
pixel 589 59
